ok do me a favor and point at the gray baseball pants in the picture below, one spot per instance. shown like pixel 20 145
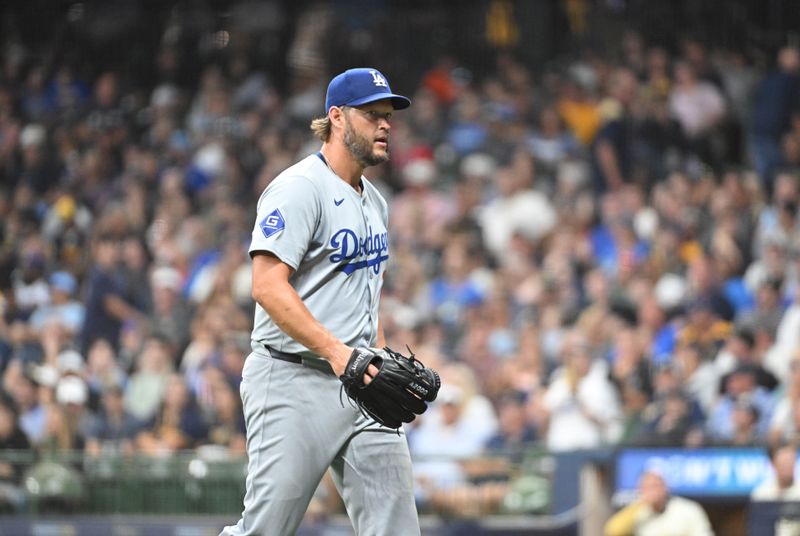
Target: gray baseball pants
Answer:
pixel 296 429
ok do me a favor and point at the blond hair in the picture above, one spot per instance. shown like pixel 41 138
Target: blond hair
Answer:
pixel 321 127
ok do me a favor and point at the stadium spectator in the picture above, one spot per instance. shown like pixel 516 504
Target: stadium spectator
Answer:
pixel 508 215
pixel 613 149
pixel 786 418
pixel 740 351
pixel 176 425
pixel 426 118
pixel 775 100
pixel 467 133
pixel 62 308
pixel 627 357
pixel 102 370
pixel 171 314
pixel 419 213
pixel 115 429
pixel 580 408
pixel 441 438
pixel 455 291
pixel 740 383
pixel 777 221
pixel 70 420
pixel 673 418
pixel 515 433
pixel 12 439
pixel 696 54
pixel 781 485
pixel 455 429
pixel 577 106
pixel 788 336
pixel 699 107
pixel 106 306
pixel 790 144
pixel 656 511
pixel 704 283
pixel 29 283
pixel 32 414
pixel 703 328
pixel 700 378
pixel 635 399
pixel 147 385
pixel 226 421
pixel 668 421
pixel 745 419
pixel 550 144
pixel 38 167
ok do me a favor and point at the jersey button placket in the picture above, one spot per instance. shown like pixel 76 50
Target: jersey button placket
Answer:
pixel 370 276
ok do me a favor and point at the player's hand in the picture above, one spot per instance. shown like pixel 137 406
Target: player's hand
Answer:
pixel 394 390
pixel 371 372
pixel 339 362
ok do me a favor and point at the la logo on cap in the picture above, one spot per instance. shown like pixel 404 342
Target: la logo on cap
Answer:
pixel 363 85
pixel 378 80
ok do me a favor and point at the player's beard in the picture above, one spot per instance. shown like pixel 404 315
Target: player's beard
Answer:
pixel 361 147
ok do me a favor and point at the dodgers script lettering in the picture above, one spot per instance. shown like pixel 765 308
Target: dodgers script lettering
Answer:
pixel 363 251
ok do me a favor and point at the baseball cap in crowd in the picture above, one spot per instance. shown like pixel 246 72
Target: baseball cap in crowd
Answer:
pixel 478 165
pixel 166 277
pixel 33 135
pixel 45 375
pixel 419 172
pixel 355 87
pixel 670 291
pixel 450 394
pixel 749 369
pixel 70 361
pixel 72 390
pixel 63 281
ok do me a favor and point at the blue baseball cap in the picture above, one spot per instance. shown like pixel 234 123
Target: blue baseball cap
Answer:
pixel 64 281
pixel 361 86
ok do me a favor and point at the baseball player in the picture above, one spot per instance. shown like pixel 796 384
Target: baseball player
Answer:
pixel 319 249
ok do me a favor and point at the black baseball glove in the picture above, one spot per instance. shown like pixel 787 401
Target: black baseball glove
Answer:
pixel 397 393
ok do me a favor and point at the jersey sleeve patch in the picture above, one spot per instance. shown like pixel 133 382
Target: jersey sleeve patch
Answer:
pixel 272 223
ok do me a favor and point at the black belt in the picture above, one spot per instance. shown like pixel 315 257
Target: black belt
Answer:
pixel 283 356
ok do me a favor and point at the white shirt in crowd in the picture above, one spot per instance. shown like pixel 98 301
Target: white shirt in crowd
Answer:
pixel 586 418
pixel 769 491
pixel 682 517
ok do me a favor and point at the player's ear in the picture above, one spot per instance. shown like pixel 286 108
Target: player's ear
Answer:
pixel 336 116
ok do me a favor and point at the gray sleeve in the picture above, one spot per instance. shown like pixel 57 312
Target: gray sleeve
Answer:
pixel 287 217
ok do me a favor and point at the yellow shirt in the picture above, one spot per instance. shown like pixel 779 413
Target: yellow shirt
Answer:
pixel 713 335
pixel 583 118
pixel 681 517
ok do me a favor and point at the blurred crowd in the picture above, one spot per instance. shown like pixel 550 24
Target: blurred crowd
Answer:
pixel 605 251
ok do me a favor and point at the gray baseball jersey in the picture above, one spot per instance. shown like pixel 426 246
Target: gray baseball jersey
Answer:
pixel 337 243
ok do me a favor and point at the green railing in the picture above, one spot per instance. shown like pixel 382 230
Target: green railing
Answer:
pixel 181 483
pixel 197 482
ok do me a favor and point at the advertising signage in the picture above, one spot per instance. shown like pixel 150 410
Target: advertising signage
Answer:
pixel 701 472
